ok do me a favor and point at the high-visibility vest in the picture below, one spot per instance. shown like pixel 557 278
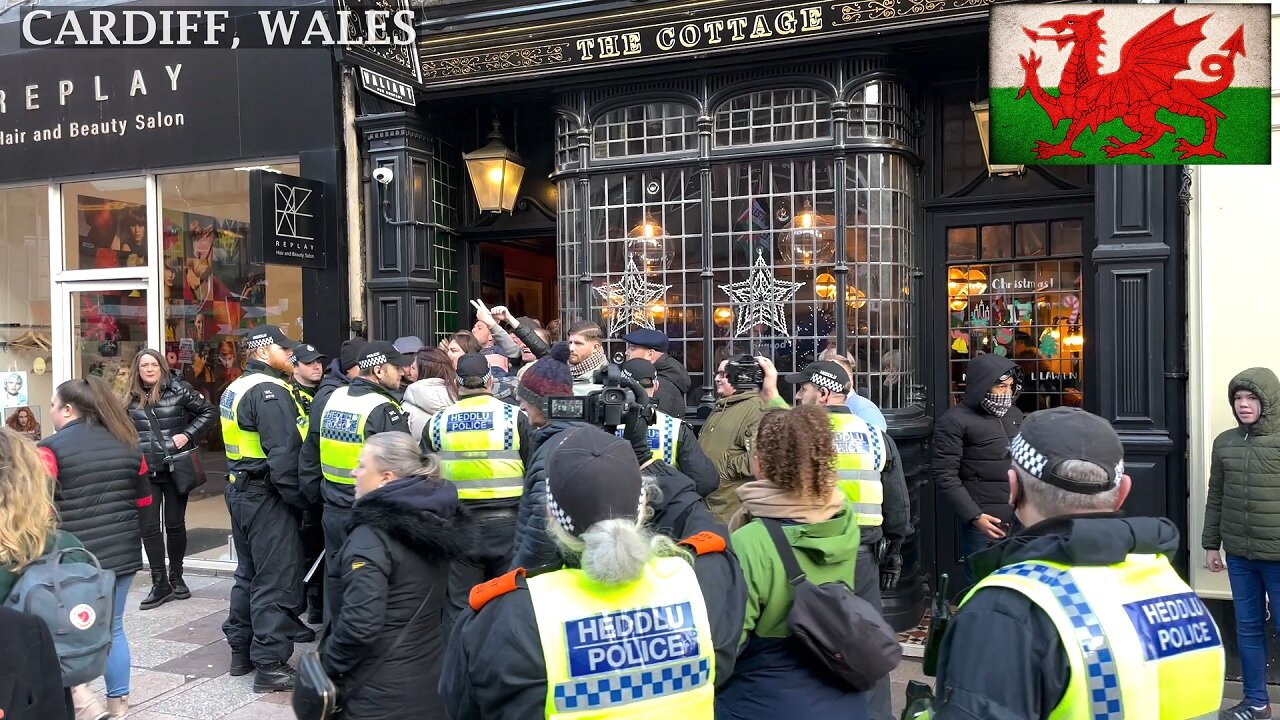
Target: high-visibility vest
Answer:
pixel 342 432
pixel 639 651
pixel 664 438
pixel 303 402
pixel 861 457
pixel 478 442
pixel 1139 642
pixel 238 442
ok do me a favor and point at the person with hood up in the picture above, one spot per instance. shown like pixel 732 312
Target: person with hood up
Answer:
pixel 435 389
pixel 971 452
pixel 1080 614
pixel 794 461
pixel 673 380
pixel 533 644
pixel 387 642
pixel 1242 519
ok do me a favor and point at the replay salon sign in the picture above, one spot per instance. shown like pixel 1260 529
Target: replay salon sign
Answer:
pixel 286 220
pixel 65 112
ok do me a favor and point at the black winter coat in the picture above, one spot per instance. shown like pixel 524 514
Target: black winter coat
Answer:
pixel 971 446
pixel 30 676
pixel 402 538
pixel 100 484
pixel 180 411
pixel 534 546
pixel 673 386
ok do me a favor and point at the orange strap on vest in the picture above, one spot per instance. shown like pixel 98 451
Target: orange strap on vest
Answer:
pixel 484 592
pixel 705 542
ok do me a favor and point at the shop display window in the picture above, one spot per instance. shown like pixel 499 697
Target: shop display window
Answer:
pixel 26 378
pixel 105 223
pixel 1015 290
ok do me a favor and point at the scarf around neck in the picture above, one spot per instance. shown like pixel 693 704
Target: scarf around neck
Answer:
pixel 763 499
pixel 585 370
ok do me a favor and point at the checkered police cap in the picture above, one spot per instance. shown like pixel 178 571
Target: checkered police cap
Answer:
pixel 823 373
pixel 381 353
pixel 592 476
pixel 264 336
pixel 1051 437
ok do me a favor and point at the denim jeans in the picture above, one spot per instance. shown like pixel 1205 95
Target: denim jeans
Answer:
pixel 972 540
pixel 1253 582
pixel 118 660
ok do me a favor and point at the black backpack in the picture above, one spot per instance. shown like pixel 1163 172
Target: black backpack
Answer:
pixel 837 629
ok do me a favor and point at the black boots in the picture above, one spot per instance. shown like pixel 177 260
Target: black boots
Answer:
pixel 275 679
pixel 161 591
pixel 180 589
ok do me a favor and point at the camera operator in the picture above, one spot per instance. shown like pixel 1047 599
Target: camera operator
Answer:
pixel 670 439
pixel 730 429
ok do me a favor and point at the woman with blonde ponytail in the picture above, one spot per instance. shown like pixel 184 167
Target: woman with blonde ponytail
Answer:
pixel 625 624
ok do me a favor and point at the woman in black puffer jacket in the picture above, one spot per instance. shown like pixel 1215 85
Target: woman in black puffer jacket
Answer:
pixel 385 647
pixel 170 417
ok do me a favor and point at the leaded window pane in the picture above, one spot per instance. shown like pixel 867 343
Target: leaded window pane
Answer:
pixel 649 129
pixel 773 116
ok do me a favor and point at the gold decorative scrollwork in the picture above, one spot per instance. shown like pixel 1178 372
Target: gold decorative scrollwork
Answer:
pixel 863 10
pixel 517 59
pixel 924 7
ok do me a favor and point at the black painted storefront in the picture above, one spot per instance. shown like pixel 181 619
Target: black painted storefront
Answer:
pixel 528 66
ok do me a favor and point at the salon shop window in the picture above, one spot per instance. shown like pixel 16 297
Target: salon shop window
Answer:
pixel 1015 290
pixel 212 292
pixel 26 378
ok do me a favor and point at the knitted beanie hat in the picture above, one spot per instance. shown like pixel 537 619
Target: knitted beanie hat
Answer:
pixel 548 377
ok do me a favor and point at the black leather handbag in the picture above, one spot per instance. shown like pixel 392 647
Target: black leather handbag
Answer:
pixel 186 469
pixel 315 696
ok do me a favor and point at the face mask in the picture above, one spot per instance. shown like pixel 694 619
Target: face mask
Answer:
pixel 226 361
pixel 997 405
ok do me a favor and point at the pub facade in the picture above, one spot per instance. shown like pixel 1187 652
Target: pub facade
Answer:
pixel 777 178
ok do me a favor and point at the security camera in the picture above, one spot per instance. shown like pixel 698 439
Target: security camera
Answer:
pixel 384 175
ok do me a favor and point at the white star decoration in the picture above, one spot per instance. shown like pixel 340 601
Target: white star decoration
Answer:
pixel 761 298
pixel 630 298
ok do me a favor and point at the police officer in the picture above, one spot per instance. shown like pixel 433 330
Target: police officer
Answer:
pixel 1080 614
pixel 363 408
pixel 670 438
pixel 260 433
pixel 869 471
pixel 308 370
pixel 483 444
pixel 626 630
pixel 340 374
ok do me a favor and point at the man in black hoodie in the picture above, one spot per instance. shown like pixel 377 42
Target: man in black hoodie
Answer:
pixel 971 452
pixel 1089 618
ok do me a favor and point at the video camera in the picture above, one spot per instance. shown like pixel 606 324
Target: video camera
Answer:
pixel 608 406
pixel 744 373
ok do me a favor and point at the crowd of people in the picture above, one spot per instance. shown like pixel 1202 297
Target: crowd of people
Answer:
pixel 473 540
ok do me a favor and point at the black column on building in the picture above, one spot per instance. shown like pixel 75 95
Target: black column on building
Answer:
pixel 324 291
pixel 401 281
pixel 1136 352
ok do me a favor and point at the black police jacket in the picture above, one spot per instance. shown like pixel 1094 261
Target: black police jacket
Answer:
pixel 387 417
pixel 1002 658
pixel 179 411
pixel 269 410
pixel 402 539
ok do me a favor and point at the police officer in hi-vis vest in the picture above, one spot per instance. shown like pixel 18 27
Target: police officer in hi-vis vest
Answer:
pixel 260 433
pixel 1079 615
pixel 670 438
pixel 869 472
pixel 483 446
pixel 625 630
pixel 308 370
pixel 365 407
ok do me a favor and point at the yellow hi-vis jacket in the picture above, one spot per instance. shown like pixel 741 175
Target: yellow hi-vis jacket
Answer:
pixel 478 442
pixel 1139 641
pixel 238 442
pixel 342 432
pixel 622 653
pixel 861 457
pixel 664 438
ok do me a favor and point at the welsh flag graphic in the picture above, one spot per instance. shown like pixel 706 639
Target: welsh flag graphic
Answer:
pixel 1125 84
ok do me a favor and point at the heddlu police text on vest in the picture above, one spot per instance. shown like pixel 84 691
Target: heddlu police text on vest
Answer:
pixel 631 639
pixel 1172 624
pixel 464 421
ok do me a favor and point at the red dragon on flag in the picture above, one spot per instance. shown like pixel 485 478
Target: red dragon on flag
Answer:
pixel 1143 85
pixel 1149 78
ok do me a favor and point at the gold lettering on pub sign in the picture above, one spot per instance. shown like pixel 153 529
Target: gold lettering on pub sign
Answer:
pixel 703 33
